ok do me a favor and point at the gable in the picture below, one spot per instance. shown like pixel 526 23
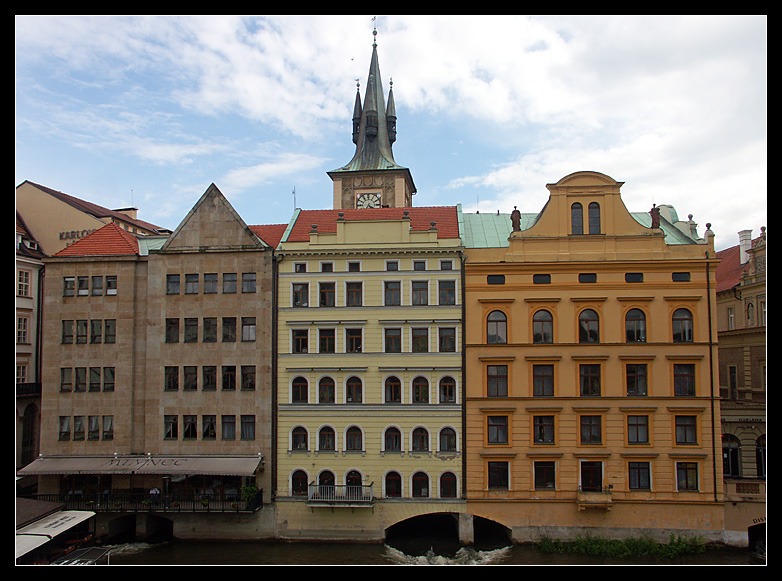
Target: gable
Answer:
pixel 212 223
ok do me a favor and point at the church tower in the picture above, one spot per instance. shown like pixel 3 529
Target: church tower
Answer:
pixel 372 179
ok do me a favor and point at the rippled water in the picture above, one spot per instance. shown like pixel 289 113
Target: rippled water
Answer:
pixel 282 553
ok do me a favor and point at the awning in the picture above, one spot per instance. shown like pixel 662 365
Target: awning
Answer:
pixel 42 531
pixel 138 464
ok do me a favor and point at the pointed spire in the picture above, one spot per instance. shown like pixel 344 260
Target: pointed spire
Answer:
pixel 357 113
pixel 391 113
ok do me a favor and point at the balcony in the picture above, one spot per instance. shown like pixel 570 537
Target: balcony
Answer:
pixel 145 502
pixel 350 495
pixel 600 499
pixel 30 389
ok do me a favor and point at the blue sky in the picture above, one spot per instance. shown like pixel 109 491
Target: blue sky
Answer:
pixel 150 110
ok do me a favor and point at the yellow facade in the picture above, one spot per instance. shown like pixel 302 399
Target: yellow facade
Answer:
pixel 369 343
pixel 582 409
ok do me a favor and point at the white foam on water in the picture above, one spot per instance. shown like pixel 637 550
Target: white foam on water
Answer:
pixel 464 556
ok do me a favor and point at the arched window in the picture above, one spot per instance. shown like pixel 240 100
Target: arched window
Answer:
pixel 682 326
pixel 594 218
pixel 299 483
pixel 448 485
pixel 392 440
pixel 353 390
pixel 635 326
pixel 588 327
pixel 299 438
pixel 326 478
pixel 420 485
pixel 447 390
pixel 420 390
pixel 731 456
pixel 420 440
pixel 497 328
pixel 576 219
pixel 353 478
pixel 353 439
pixel 327 440
pixel 393 485
pixel 447 440
pixel 760 456
pixel 393 391
pixel 299 389
pixel 542 327
pixel 325 489
pixel 326 391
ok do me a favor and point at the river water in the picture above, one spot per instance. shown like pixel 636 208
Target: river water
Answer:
pixel 299 553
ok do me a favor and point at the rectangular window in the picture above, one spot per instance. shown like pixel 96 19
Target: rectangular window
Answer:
pixel 108 427
pixel 248 328
pixel 327 294
pixel 640 475
pixel 82 286
pixel 248 377
pixel 353 340
pixel 393 340
pixel 300 340
pixel 229 283
pixel 498 475
pixel 229 377
pixel 110 331
pixel 636 379
pixel 686 430
pixel 191 284
pixel 108 379
pixel 497 380
pixel 326 341
pixel 497 428
pixel 172 330
pixel 68 286
pixel 93 428
pixel 97 286
pixel 81 379
pixel 81 332
pixel 229 329
pixel 447 340
pixel 65 429
pixel 687 476
pixel 190 373
pixel 447 292
pixel 543 380
pixel 209 378
pixel 170 428
pixel 191 330
pixel 172 284
pixel 392 295
pixel 171 378
pixel 210 329
pixel 111 288
pixel 66 379
pixel 248 427
pixel 210 283
pixel 208 427
pixel 78 428
pixel 228 425
pixel 544 475
pixel 543 429
pixel 189 427
pixel 637 429
pixel 590 379
pixel 95 373
pixel 301 293
pixel 420 340
pixel 420 295
pixel 248 282
pixel 684 379
pixel 67 332
pixel 354 294
pixel 591 430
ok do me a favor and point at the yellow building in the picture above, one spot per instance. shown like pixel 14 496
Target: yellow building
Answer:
pixel 368 370
pixel 590 388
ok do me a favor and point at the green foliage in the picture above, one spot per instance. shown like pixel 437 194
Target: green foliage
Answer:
pixel 624 549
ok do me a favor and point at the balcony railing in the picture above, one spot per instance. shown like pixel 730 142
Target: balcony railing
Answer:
pixel 595 499
pixel 31 389
pixel 351 495
pixel 164 502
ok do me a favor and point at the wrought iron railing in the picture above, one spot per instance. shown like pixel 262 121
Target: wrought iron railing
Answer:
pixel 163 502
pixel 340 494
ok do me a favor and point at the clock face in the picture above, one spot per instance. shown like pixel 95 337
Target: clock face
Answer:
pixel 368 201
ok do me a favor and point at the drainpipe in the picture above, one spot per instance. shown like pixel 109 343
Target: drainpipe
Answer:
pixel 711 378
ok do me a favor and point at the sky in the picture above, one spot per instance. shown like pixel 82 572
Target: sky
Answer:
pixel 148 111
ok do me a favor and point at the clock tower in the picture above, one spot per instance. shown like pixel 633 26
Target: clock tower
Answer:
pixel 372 179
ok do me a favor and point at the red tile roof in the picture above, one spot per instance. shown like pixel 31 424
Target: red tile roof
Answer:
pixel 446 218
pixel 269 233
pixel 110 240
pixel 729 270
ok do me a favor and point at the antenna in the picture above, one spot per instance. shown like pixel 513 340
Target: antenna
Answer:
pixel 294 198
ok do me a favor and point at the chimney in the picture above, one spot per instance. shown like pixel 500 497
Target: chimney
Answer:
pixel 745 243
